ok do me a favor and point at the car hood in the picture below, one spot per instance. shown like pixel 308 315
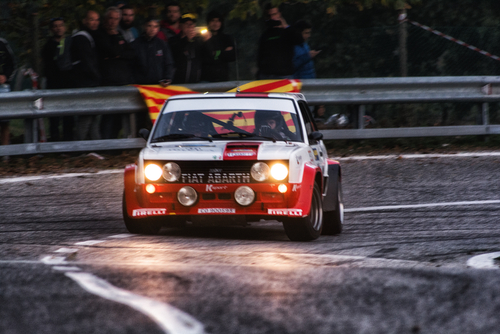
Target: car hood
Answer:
pixel 222 150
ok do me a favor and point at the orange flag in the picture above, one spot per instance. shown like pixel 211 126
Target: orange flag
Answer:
pixel 155 96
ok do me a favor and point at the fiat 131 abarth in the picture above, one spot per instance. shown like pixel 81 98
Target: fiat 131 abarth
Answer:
pixel 235 158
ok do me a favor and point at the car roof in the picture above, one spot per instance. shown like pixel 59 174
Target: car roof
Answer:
pixel 294 96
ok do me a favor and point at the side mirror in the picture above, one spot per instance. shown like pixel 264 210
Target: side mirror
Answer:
pixel 144 133
pixel 316 135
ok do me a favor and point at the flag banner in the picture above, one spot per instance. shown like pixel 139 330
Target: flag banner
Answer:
pixel 155 96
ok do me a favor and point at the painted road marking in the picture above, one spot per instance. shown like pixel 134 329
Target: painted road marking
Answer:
pixel 66 250
pixel 416 206
pixel 484 261
pixel 170 319
pixel 420 156
pixel 120 236
pixel 69 268
pixel 89 242
pixel 54 260
pixel 57 176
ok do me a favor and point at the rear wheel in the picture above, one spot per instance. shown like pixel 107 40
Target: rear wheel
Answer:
pixel 307 228
pixel 333 220
pixel 151 225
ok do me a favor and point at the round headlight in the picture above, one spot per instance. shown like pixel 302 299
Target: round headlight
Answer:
pixel 260 171
pixel 187 196
pixel 171 172
pixel 279 171
pixel 153 172
pixel 244 196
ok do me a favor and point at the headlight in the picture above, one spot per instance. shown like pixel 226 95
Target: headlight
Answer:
pixel 153 172
pixel 279 171
pixel 260 171
pixel 187 196
pixel 171 172
pixel 244 195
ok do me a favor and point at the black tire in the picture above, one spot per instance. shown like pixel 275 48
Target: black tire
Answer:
pixel 149 226
pixel 333 220
pixel 307 228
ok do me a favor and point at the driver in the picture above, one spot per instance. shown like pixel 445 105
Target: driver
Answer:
pixel 272 124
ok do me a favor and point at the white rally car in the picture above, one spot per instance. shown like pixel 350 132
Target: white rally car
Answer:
pixel 234 158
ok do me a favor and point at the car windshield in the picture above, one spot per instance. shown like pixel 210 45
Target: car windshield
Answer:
pixel 238 124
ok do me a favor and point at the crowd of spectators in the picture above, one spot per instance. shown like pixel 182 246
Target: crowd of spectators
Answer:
pixel 109 50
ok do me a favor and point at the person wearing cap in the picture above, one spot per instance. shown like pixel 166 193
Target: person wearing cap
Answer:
pixel 218 50
pixel 186 50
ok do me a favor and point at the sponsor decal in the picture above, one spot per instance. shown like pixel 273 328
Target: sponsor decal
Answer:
pixel 296 187
pixel 217 210
pixel 148 212
pixel 189 149
pixel 211 187
pixel 285 212
pixel 215 178
pixel 241 153
pixel 316 155
pixel 159 53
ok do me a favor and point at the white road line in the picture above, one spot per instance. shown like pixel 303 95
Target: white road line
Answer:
pixel 89 242
pixel 19 262
pixel 416 206
pixel 54 260
pixel 64 268
pixel 170 319
pixel 66 250
pixel 484 261
pixel 421 156
pixel 120 236
pixel 56 176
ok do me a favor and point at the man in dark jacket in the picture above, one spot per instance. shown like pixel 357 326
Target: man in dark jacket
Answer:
pixel 186 50
pixel 57 65
pixel 154 63
pixel 85 72
pixel 218 50
pixel 7 66
pixel 276 47
pixel 115 62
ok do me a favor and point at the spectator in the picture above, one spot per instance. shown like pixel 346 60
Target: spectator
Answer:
pixel 154 63
pixel 171 26
pixel 85 72
pixel 218 50
pixel 57 64
pixel 186 50
pixel 126 28
pixel 303 55
pixel 115 57
pixel 276 47
pixel 7 66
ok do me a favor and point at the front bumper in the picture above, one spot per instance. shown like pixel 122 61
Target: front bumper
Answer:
pixel 217 199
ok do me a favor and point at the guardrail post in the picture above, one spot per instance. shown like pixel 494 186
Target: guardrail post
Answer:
pixel 361 116
pixel 486 113
pixel 30 130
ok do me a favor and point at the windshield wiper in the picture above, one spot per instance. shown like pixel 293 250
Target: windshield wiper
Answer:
pixel 177 136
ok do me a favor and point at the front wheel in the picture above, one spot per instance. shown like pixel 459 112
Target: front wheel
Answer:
pixel 307 228
pixel 150 226
pixel 333 220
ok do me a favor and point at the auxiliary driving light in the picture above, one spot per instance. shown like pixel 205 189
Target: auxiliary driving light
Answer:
pixel 153 172
pixel 187 196
pixel 282 188
pixel 279 171
pixel 260 171
pixel 171 172
pixel 150 188
pixel 244 196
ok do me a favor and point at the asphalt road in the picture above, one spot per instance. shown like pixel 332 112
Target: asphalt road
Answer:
pixel 67 264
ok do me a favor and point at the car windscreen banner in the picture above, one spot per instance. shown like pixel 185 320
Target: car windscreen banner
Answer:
pixel 155 96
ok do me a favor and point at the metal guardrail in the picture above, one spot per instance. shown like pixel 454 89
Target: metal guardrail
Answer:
pixel 357 91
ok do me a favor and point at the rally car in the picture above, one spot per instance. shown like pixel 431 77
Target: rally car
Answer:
pixel 234 158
